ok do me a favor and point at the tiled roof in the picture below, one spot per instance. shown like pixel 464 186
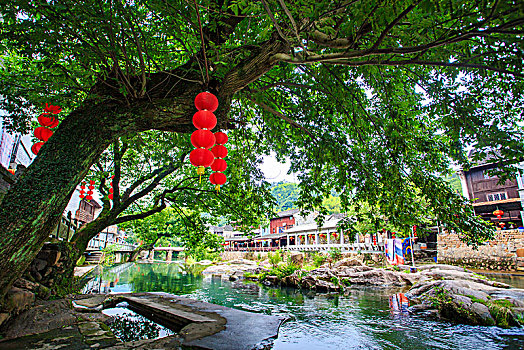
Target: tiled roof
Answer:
pixel 288 212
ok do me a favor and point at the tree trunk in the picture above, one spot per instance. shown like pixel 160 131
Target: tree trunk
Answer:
pixel 135 253
pixel 33 206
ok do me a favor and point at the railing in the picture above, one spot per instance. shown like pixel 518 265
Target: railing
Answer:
pixel 99 244
pixel 352 247
pixel 65 229
pixel 252 249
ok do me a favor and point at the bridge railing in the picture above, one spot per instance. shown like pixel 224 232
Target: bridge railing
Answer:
pixel 99 244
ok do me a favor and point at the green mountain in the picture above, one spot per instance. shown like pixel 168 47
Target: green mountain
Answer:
pixel 286 194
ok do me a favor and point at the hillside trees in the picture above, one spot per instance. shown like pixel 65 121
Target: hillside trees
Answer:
pixel 362 96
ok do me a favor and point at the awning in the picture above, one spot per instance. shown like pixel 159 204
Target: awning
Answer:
pixel 270 236
pixel 237 239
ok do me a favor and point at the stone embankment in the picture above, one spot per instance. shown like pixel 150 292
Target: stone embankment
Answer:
pixel 505 252
pixel 448 292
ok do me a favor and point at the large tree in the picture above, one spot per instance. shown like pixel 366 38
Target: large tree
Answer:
pixel 369 97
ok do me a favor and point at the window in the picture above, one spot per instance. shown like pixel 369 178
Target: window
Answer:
pixel 496 196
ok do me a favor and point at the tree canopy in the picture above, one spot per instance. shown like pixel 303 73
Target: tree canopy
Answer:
pixel 369 98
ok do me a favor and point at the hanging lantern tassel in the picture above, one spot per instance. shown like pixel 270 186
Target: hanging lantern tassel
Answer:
pixel 217 179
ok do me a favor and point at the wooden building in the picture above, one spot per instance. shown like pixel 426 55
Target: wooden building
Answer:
pixel 87 211
pixel 283 221
pixel 488 195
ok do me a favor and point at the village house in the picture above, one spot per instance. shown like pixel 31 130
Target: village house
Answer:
pixel 488 195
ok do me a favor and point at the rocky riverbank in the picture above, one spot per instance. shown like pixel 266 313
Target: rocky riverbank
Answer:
pixel 444 291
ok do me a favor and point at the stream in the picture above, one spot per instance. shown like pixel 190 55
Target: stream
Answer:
pixel 363 318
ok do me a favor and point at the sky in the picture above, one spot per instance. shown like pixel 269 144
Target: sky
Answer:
pixel 275 171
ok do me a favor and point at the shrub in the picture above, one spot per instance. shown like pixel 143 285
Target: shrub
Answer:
pixel 318 260
pixel 274 259
pixel 335 254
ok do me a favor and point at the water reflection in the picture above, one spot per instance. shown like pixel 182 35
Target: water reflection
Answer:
pixel 127 325
pixel 398 303
pixel 361 319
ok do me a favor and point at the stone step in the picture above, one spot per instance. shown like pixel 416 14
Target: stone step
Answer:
pixel 164 311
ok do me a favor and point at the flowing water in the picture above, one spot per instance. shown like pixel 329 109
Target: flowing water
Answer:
pixel 365 318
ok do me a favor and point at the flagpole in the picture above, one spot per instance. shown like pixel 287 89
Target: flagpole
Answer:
pixel 413 269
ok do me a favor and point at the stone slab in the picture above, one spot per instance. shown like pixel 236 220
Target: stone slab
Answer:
pixel 155 308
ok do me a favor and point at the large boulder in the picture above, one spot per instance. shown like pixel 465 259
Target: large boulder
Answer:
pixel 348 262
pixel 469 302
pixel 296 259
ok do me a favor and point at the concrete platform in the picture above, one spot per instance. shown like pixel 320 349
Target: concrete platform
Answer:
pixel 207 326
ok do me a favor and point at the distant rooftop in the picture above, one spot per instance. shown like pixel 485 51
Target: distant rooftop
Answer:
pixel 284 213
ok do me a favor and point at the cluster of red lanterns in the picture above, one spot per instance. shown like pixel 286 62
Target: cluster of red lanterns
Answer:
pixel 210 150
pixel 48 122
pixel 498 213
pixel 89 195
pixel 374 239
pixel 110 195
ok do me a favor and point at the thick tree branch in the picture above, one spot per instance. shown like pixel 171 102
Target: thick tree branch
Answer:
pixel 281 116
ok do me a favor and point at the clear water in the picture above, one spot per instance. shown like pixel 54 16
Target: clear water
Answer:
pixel 362 319
pixel 128 325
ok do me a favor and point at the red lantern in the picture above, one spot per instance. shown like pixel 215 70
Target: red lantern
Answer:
pixel 91 187
pixel 217 178
pixel 89 197
pixel 204 120
pixel 52 109
pixel 219 151
pixel 203 139
pixel 221 138
pixel 91 182
pixel 110 196
pixel 498 213
pixel 219 165
pixel 42 133
pixel 206 101
pixel 48 121
pixel 36 147
pixel 201 157
pixel 111 190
